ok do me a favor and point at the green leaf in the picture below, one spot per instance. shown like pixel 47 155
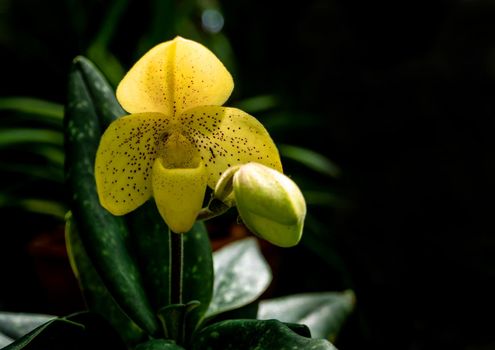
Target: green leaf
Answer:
pixel 175 317
pixel 108 63
pixel 150 243
pixel 34 205
pixel 241 276
pixel 322 197
pixel 161 24
pixel 48 110
pixel 54 155
pixel 99 52
pixel 150 240
pixel 11 137
pixel 40 334
pixel 300 329
pixel 91 107
pixel 97 331
pixel 45 160
pixel 15 325
pixel 323 313
pixel 159 344
pixel 31 171
pixel 285 120
pixel 313 160
pixel 101 94
pixel 255 335
pixel 197 281
pixel 4 340
pixel 257 104
pixel 249 311
pixel 42 206
pixel 96 295
pixel 79 331
pixel 318 240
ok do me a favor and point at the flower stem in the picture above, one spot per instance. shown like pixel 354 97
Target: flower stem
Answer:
pixel 215 208
pixel 176 262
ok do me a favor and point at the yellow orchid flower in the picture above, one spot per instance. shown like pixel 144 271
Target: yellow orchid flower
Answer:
pixel 178 138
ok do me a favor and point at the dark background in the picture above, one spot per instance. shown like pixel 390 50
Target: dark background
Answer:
pixel 400 95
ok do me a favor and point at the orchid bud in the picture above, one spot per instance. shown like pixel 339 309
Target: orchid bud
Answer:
pixel 270 204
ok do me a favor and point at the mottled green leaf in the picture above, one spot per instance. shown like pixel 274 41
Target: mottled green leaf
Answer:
pixel 255 335
pixel 150 237
pixel 323 313
pixel 91 106
pixel 241 276
pixel 150 244
pixel 197 281
pixel 96 295
pixel 101 93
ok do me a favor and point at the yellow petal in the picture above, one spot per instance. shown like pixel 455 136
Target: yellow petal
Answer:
pixel 179 194
pixel 125 159
pixel 174 76
pixel 226 137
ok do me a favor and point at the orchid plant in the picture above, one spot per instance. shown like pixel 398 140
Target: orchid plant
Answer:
pixel 135 235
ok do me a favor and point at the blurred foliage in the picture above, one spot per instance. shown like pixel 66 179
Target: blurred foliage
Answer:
pixel 32 155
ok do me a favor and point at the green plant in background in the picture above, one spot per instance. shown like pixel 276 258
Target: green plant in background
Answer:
pixel 31 149
pixel 155 288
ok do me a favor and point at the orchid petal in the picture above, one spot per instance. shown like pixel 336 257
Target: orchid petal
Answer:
pixel 174 76
pixel 226 137
pixel 125 158
pixel 179 194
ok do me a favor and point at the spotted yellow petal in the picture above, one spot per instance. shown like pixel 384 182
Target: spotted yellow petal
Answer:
pixel 174 76
pixel 125 158
pixel 226 137
pixel 179 194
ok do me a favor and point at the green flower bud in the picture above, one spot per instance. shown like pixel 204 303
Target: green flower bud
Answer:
pixel 270 204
